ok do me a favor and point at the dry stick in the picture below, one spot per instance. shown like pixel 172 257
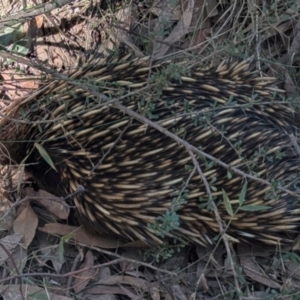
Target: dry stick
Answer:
pixel 218 219
pixel 112 262
pixel 133 261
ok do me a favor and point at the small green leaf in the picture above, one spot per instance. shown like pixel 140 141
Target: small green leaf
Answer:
pixel 210 165
pixel 227 203
pixel 254 207
pixel 45 155
pixel 188 167
pixel 243 194
pixel 293 258
pixel 213 180
pixel 229 175
pixel 202 206
pixel 213 188
pixel 17 47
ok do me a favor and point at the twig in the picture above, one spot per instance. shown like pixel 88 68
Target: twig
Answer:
pixel 218 218
pixel 15 266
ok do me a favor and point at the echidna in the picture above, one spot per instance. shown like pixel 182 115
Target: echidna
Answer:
pixel 137 181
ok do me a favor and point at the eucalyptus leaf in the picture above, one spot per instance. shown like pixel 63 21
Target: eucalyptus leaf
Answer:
pixel 227 203
pixel 254 207
pixel 243 194
pixel 45 155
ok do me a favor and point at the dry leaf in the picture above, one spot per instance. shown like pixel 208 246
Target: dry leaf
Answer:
pixel 155 295
pixel 132 281
pixel 181 29
pixel 18 258
pixel 178 292
pixel 50 252
pixel 251 268
pixel 104 272
pixel 9 243
pixel 26 224
pixel 7 217
pixel 201 29
pixel 17 85
pixel 131 253
pixel 53 204
pixel 103 289
pixel 82 279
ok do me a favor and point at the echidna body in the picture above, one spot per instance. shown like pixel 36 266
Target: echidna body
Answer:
pixel 135 176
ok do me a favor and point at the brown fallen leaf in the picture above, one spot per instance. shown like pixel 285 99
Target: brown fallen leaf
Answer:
pixel 9 243
pixel 50 252
pixel 103 290
pixel 17 85
pixel 7 217
pixel 128 280
pixel 133 254
pixel 83 278
pixel 251 268
pixel 17 260
pixel 202 27
pixel 181 29
pixel 26 224
pixel 53 204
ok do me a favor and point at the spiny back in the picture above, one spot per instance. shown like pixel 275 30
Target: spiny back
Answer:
pixel 137 180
